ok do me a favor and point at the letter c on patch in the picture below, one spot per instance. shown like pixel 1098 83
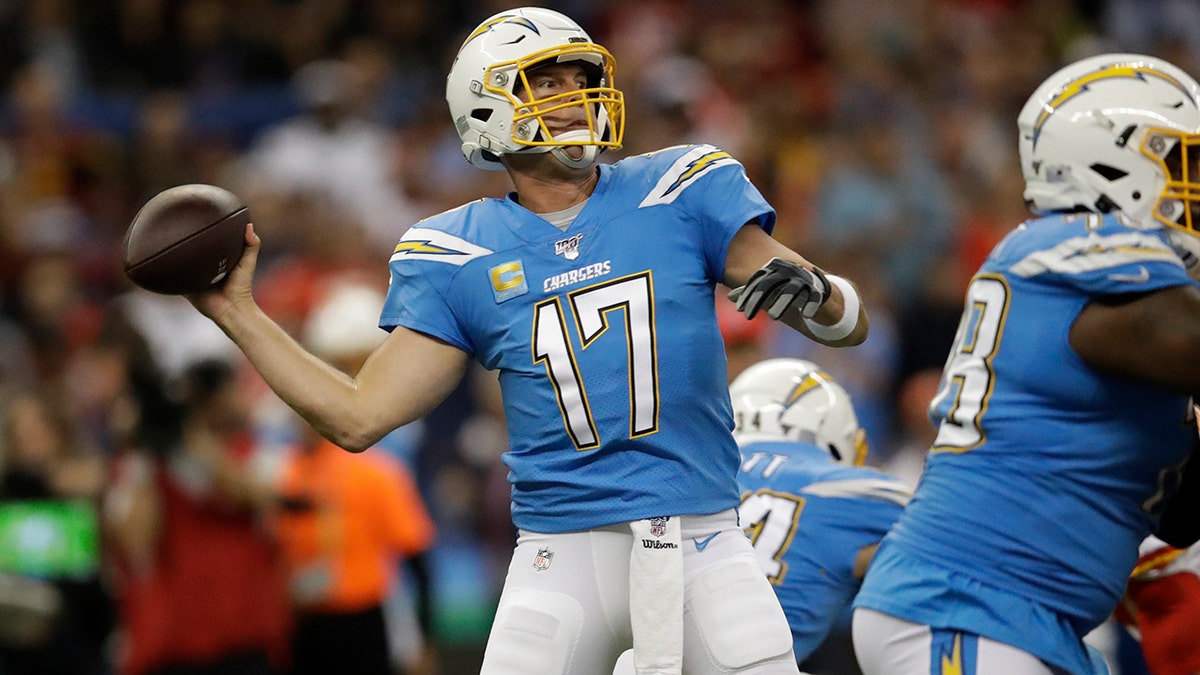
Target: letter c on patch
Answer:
pixel 508 280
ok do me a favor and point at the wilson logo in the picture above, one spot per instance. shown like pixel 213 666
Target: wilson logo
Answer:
pixel 654 543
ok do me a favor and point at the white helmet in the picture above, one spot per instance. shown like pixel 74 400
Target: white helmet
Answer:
pixel 1115 132
pixel 490 69
pixel 793 399
pixel 345 322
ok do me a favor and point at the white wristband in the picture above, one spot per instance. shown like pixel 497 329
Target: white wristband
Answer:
pixel 849 320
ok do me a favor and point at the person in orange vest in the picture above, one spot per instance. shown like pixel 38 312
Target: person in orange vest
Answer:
pixel 350 518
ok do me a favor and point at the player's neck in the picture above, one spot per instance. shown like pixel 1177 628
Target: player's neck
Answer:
pixel 546 185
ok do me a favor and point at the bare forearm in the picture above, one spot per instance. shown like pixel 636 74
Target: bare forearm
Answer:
pixel 402 380
pixel 325 397
pixel 351 412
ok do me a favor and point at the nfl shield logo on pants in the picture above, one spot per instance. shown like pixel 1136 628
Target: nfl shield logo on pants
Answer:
pixel 541 561
pixel 658 525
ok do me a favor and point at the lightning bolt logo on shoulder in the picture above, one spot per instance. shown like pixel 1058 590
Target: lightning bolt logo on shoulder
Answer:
pixel 421 243
pixel 684 172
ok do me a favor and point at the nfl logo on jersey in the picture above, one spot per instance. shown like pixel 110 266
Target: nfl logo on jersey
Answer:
pixel 568 248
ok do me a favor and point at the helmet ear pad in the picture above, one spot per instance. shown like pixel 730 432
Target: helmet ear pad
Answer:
pixel 474 127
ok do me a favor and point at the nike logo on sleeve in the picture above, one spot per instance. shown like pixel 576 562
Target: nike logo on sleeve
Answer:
pixel 1141 277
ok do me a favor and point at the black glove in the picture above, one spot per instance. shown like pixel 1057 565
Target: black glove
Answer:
pixel 781 284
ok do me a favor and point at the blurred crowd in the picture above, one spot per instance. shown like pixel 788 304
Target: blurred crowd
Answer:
pixel 151 487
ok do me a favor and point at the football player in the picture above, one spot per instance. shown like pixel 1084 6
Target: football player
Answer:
pixel 1064 415
pixel 590 288
pixel 813 512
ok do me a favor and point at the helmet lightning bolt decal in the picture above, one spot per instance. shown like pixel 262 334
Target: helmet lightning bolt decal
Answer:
pixel 1081 85
pixel 806 385
pixel 488 25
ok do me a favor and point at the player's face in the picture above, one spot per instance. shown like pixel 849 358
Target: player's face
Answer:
pixel 1182 164
pixel 551 87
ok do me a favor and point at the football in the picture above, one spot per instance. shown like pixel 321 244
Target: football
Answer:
pixel 185 239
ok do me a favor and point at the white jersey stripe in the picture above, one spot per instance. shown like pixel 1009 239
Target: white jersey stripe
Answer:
pixel 875 488
pixel 1095 252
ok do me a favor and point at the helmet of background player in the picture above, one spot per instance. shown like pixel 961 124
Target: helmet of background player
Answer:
pixel 343 327
pixel 793 399
pixel 492 67
pixel 1115 132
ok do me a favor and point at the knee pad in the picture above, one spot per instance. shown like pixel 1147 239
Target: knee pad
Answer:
pixel 737 615
pixel 533 632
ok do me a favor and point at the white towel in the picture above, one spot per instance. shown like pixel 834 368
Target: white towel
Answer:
pixel 656 596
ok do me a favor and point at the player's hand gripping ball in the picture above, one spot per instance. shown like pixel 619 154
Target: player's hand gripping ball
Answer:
pixel 186 239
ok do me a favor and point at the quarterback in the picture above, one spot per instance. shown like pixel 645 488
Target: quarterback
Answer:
pixel 590 288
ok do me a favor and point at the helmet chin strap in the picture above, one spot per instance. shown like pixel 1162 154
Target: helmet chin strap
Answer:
pixel 586 158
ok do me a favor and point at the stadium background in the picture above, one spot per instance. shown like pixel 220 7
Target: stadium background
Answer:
pixel 883 132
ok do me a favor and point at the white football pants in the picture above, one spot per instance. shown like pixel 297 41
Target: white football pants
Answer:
pixel 565 608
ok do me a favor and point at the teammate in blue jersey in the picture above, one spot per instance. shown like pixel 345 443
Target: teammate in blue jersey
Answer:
pixel 813 512
pixel 1064 411
pixel 590 288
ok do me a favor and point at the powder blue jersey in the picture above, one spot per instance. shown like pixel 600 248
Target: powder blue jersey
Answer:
pixel 1045 474
pixel 611 364
pixel 808 518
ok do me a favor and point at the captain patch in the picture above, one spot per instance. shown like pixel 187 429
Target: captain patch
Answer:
pixel 508 280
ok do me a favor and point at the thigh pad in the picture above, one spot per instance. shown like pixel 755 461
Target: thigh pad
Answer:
pixel 734 609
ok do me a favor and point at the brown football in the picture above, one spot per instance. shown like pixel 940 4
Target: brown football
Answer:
pixel 186 239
